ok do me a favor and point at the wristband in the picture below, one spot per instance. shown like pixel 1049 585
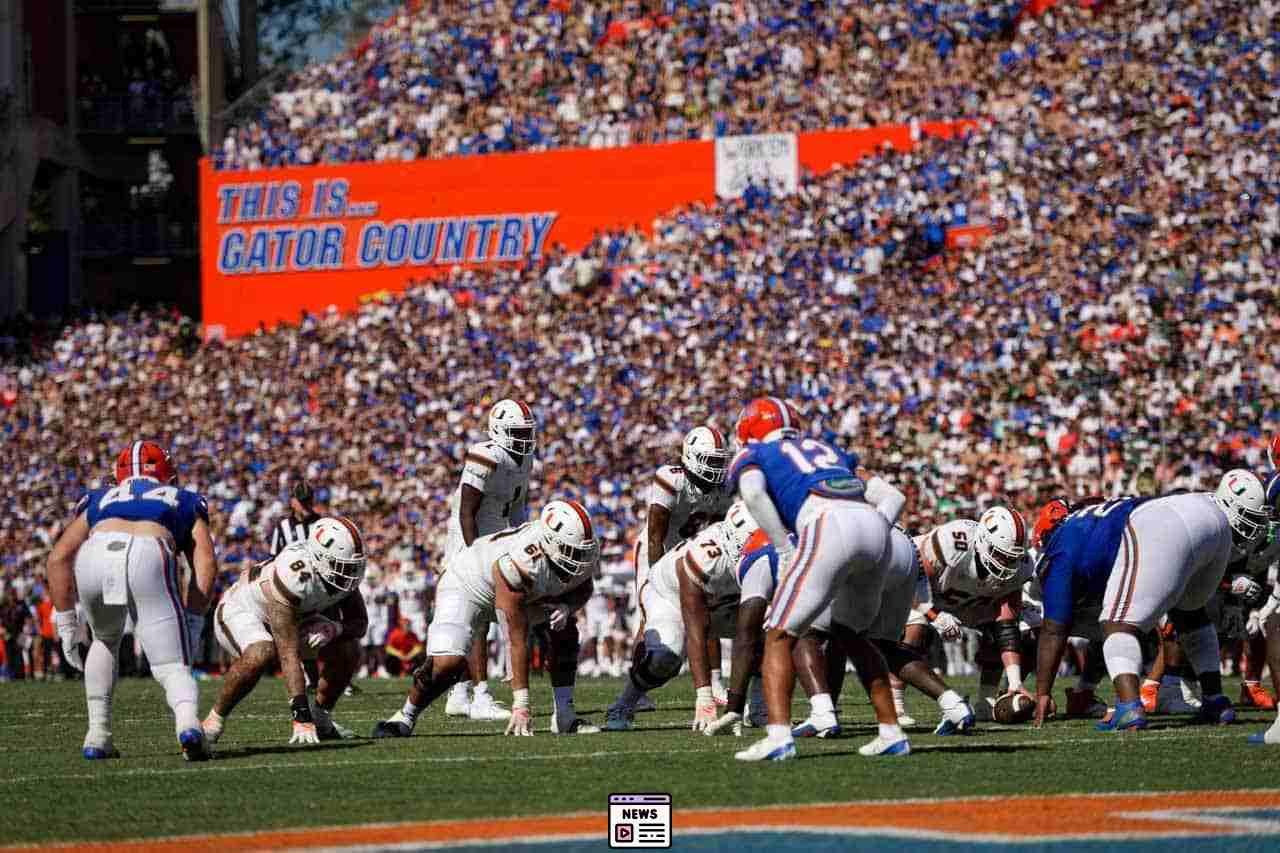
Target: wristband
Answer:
pixel 520 698
pixel 737 702
pixel 66 619
pixel 301 709
pixel 704 695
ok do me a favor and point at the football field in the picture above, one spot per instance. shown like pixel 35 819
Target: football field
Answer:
pixel 459 783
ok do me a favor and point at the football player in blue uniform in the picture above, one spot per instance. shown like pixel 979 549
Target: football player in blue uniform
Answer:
pixel 1269 614
pixel 804 486
pixel 125 552
pixel 1145 557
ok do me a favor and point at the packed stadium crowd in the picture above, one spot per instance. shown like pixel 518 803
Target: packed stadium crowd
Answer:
pixel 1118 332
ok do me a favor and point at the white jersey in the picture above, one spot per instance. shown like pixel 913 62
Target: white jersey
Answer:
pixel 672 491
pixel 503 483
pixel 709 560
pixel 377 604
pixel 958 585
pixel 286 578
pixel 410 587
pixel 518 556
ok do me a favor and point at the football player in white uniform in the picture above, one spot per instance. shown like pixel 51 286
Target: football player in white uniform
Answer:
pixel 539 573
pixel 377 604
pixel 690 595
pixel 492 496
pixel 976 572
pixel 684 499
pixel 304 602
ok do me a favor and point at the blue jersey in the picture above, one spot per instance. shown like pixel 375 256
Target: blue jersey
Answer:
pixel 145 499
pixel 1076 560
pixel 794 468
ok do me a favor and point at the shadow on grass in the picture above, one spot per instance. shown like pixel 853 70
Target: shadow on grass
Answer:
pixel 286 749
pixel 966 746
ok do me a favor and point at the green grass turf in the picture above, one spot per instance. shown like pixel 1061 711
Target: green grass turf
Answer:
pixel 460 769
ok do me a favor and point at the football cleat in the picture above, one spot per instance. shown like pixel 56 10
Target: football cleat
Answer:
pixel 818 725
pixel 768 750
pixel 99 751
pixel 333 731
pixel 644 703
pixel 1150 696
pixel 1128 716
pixel 959 720
pixel 397 726
pixel 194 746
pixel 1084 704
pixel 1254 695
pixel 883 746
pixel 459 704
pixel 1176 698
pixel 487 709
pixel 1218 710
pixel 571 724
pixel 906 721
pixel 1271 737
pixel 619 718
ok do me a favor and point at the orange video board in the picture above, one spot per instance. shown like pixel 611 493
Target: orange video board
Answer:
pixel 277 242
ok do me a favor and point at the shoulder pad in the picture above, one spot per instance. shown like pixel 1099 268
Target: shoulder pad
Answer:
pixel 485 453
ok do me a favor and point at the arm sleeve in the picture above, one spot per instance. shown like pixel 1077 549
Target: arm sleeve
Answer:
pixel 752 487
pixel 886 498
pixel 476 469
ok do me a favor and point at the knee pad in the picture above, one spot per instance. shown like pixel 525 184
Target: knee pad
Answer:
pixel 1184 621
pixel 1123 654
pixel 898 655
pixel 656 668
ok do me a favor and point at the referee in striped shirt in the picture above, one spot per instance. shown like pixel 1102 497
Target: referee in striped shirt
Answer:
pixel 295 526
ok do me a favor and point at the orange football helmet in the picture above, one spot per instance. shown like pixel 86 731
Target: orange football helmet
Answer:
pixel 145 459
pixel 765 418
pixel 1049 517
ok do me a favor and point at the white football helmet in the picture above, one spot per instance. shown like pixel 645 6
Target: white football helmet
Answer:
pixel 513 427
pixel 564 532
pixel 705 457
pixel 337 552
pixel 738 525
pixel 1241 497
pixel 1001 543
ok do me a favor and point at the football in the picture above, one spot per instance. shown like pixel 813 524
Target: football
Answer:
pixel 1013 708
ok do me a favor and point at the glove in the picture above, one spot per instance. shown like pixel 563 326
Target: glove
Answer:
pixel 521 723
pixel 304 734
pixel 67 623
pixel 560 616
pixel 322 634
pixel 947 626
pixel 1254 626
pixel 704 713
pixel 1247 588
pixel 1272 605
pixel 1232 621
pixel 195 626
pixel 729 723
